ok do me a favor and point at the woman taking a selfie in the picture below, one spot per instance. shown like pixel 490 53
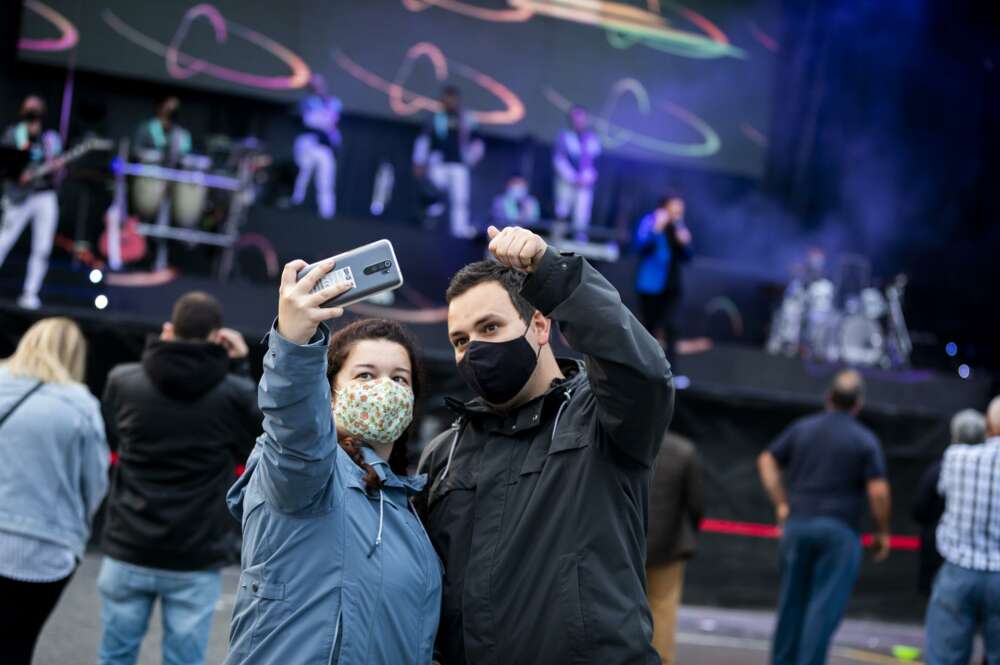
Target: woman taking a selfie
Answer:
pixel 336 567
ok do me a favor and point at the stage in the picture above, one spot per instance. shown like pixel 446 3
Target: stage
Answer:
pixel 735 398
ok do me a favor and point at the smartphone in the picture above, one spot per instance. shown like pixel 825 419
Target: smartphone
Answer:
pixel 369 269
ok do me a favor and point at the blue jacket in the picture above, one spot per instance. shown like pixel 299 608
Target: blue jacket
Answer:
pixel 53 462
pixel 330 574
pixel 656 256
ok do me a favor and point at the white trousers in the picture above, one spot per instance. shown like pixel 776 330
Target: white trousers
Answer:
pixel 42 211
pixel 315 159
pixel 574 201
pixel 454 179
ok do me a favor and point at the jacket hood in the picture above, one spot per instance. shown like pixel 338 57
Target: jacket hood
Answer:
pixel 185 370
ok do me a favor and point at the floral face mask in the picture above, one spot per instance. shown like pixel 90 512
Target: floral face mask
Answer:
pixel 374 412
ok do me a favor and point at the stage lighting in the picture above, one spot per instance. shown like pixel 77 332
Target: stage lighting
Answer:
pixel 951 349
pixel 964 371
pixel 101 301
pixel 96 276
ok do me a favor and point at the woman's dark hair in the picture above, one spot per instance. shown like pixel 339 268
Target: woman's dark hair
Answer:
pixel 341 344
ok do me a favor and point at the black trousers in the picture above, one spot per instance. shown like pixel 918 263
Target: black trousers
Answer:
pixel 24 608
pixel 659 312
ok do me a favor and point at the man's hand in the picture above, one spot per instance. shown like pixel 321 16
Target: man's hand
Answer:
pixel 661 218
pixel 232 341
pixel 299 312
pixel 516 248
pixel 881 546
pixel 683 235
pixel 781 514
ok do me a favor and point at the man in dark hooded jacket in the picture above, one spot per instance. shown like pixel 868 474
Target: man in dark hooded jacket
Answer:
pixel 537 499
pixel 180 421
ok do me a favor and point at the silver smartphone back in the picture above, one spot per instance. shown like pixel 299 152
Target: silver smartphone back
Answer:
pixel 370 269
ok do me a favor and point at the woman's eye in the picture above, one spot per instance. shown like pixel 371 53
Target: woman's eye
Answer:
pixel 491 328
pixel 365 376
pixel 401 380
pixel 459 343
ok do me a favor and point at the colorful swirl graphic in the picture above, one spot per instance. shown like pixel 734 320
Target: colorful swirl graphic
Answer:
pixel 613 135
pixel 406 102
pixel 626 25
pixel 68 37
pixel 180 65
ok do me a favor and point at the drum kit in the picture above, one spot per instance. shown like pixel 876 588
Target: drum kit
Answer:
pixel 196 202
pixel 867 330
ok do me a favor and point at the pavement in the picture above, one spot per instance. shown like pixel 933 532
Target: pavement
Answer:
pixel 706 636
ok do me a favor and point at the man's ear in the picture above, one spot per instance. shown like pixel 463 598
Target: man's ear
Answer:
pixel 541 329
pixel 167 333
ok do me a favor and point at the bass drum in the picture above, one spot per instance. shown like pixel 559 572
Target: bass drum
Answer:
pixel 188 198
pixel 861 341
pixel 147 193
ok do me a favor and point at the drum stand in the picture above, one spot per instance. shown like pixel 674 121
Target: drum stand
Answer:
pixel 240 188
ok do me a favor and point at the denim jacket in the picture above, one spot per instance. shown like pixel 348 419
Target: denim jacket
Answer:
pixel 330 573
pixel 53 462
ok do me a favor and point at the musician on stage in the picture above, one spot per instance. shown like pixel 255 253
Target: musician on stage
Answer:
pixel 445 151
pixel 30 200
pixel 163 134
pixel 575 155
pixel 316 147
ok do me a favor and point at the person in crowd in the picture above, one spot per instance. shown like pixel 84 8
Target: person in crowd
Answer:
pixel 31 200
pixel 53 475
pixel 163 135
pixel 831 463
pixel 316 147
pixel 181 420
pixel 967 587
pixel 967 427
pixel 574 158
pixel 516 205
pixel 444 152
pixel 336 567
pixel 538 495
pixel 676 507
pixel 664 245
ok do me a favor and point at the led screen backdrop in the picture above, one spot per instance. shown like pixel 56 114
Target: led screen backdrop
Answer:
pixel 668 81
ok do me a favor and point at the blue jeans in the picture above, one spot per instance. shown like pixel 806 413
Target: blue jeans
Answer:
pixel 187 603
pixel 819 566
pixel 962 600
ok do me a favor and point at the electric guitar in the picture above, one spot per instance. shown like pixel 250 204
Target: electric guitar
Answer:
pixel 22 190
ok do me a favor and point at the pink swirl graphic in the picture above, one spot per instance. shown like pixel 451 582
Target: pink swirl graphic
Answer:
pixel 181 65
pixel 404 101
pixel 614 135
pixel 67 39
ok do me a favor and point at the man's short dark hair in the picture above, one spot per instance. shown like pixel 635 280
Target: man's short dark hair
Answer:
pixel 481 272
pixel 846 390
pixel 668 196
pixel 196 315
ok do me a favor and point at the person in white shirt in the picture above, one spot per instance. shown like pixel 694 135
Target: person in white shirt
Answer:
pixel 316 147
pixel 574 157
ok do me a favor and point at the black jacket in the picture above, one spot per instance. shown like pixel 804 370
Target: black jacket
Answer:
pixel 540 516
pixel 675 503
pixel 928 507
pixel 180 424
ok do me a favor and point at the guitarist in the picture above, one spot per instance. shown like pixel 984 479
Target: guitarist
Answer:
pixel 31 199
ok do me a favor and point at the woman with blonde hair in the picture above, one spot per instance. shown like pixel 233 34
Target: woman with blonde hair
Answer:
pixel 53 476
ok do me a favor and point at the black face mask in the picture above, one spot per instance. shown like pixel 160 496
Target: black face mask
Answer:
pixel 31 116
pixel 172 114
pixel 498 370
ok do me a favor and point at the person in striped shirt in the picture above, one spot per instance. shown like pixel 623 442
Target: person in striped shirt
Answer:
pixel 966 593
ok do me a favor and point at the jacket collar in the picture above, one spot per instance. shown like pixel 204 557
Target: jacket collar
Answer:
pixel 530 414
pixel 410 484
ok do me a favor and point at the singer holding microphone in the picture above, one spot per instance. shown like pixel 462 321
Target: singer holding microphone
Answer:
pixel 663 243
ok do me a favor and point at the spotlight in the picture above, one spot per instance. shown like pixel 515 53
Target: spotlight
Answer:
pixel 951 349
pixel 101 301
pixel 96 276
pixel 964 371
pixel 682 382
